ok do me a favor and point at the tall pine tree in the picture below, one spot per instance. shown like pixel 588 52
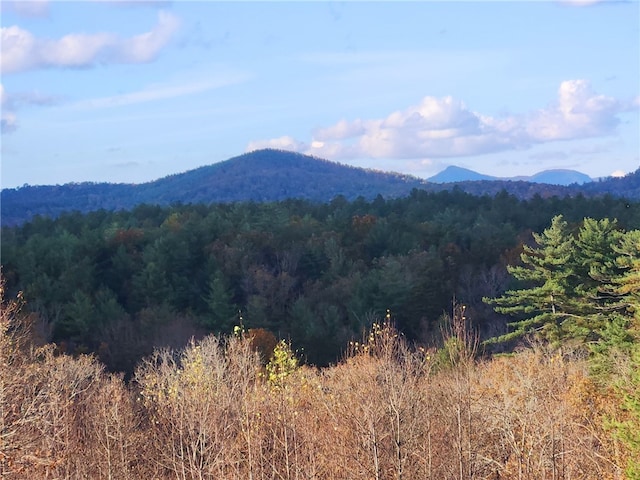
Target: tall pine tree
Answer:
pixel 594 267
pixel 627 283
pixel 543 305
pixel 583 287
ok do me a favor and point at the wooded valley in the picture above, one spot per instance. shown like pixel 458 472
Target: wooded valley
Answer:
pixel 439 335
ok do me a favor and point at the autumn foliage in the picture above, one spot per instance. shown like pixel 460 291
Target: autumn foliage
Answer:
pixel 214 410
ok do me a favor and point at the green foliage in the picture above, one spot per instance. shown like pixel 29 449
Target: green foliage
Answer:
pixel 79 317
pixel 595 266
pixel 627 428
pixel 119 282
pixel 627 284
pixel 576 286
pixel 545 300
pixel 222 311
pixel 616 341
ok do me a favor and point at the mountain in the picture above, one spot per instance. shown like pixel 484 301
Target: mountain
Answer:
pixel 560 177
pixel 273 175
pixel 551 177
pixel 458 174
pixel 262 175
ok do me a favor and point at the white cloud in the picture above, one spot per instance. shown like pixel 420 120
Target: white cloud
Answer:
pixel 578 113
pixel 446 127
pixel 146 46
pixel 17 46
pixel 73 50
pixel 22 51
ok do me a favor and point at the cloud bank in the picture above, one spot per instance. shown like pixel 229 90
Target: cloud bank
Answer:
pixel 22 51
pixel 446 127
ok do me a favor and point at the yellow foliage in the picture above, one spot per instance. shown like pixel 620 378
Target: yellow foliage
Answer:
pixel 283 363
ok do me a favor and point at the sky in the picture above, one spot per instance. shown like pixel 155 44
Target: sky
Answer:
pixel 131 91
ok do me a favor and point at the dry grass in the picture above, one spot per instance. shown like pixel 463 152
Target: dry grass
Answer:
pixel 386 412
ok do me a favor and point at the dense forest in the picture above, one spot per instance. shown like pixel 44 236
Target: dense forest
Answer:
pixel 438 336
pixel 119 284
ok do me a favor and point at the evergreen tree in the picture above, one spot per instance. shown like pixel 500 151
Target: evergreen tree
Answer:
pixel 620 332
pixel 581 287
pixel 544 303
pixel 627 283
pixel 78 318
pixel 594 267
pixel 222 312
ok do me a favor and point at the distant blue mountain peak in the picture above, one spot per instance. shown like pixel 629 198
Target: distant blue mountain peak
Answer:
pixel 565 177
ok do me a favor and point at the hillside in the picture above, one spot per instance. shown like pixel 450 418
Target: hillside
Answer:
pixel 263 175
pixel 270 175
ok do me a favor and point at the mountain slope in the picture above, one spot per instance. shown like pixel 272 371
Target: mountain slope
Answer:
pixel 551 177
pixel 263 175
pixel 271 175
pixel 268 175
pixel 458 174
pixel 560 177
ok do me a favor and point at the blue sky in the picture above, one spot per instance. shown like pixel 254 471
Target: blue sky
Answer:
pixel 130 91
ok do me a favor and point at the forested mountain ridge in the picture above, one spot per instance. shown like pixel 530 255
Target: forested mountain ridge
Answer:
pixel 263 175
pixel 267 175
